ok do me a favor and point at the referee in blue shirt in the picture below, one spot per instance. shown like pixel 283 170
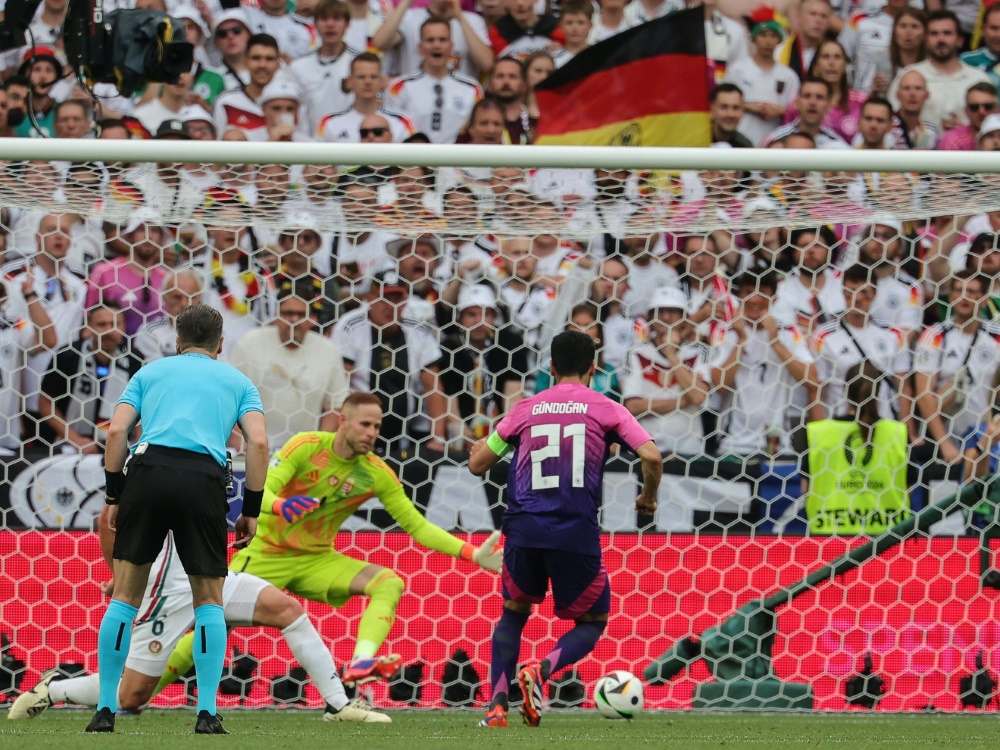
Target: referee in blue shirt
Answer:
pixel 176 481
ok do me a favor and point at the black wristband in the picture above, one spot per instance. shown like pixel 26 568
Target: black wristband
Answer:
pixel 114 483
pixel 30 296
pixel 252 500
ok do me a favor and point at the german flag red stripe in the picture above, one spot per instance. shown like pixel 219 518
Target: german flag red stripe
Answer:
pixel 656 70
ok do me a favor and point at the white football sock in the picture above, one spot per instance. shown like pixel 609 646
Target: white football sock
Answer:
pixel 308 648
pixel 84 691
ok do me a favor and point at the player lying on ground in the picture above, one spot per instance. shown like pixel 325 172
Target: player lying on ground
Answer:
pixel 167 612
pixel 561 439
pixel 315 482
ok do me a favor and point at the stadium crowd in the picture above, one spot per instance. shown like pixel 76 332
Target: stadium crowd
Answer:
pixel 439 289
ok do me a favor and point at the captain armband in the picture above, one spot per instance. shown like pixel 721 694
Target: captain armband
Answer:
pixel 498 445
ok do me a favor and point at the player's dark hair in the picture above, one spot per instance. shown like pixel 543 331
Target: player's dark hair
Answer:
pixel 573 353
pixel 262 40
pixel 581 7
pixel 945 15
pixel 332 9
pixel 819 82
pixel 433 20
pixel 361 398
pixel 863 381
pixel 858 274
pixel 725 88
pixel 879 101
pixel 749 282
pixel 970 274
pixel 199 326
pixel 366 57
pixel 112 305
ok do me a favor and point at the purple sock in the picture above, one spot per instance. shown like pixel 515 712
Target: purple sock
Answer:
pixel 575 644
pixel 506 649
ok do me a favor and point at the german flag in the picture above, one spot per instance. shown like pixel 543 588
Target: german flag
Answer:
pixel 647 86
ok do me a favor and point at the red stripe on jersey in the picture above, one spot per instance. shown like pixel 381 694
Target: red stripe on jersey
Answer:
pixel 240 118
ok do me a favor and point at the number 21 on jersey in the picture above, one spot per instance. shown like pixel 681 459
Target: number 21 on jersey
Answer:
pixel 554 434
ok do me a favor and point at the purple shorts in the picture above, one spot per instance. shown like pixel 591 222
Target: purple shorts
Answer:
pixel 580 583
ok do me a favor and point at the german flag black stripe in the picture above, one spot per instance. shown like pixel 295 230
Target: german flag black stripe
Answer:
pixel 647 86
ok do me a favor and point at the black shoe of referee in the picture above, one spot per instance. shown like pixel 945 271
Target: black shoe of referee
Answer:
pixel 208 724
pixel 103 721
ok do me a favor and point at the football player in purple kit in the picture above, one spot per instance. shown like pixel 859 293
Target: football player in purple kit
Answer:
pixel 561 439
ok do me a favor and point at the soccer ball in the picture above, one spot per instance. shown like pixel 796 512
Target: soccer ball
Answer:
pixel 619 695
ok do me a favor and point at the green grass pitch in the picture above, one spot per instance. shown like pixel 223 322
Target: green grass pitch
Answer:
pixel 443 730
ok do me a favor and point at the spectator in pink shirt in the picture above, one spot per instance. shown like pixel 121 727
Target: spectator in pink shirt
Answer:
pixel 134 280
pixel 980 101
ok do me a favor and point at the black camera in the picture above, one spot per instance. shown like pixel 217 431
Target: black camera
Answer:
pixel 124 47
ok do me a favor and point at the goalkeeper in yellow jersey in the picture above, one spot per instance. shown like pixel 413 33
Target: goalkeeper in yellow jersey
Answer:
pixel 315 482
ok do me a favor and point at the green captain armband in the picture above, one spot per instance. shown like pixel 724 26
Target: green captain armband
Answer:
pixel 498 445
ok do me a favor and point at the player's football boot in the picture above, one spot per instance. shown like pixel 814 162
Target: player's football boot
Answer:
pixel 530 680
pixel 361 670
pixel 28 705
pixel 357 711
pixel 103 721
pixel 495 717
pixel 209 724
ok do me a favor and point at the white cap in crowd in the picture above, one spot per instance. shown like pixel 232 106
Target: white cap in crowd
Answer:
pixel 990 125
pixel 280 88
pixel 887 220
pixel 232 14
pixel 477 295
pixel 188 11
pixel 398 247
pixel 668 298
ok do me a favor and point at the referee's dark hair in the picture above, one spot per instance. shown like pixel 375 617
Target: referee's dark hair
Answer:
pixel 199 326
pixel 573 353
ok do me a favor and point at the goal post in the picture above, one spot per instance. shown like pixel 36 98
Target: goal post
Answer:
pixel 812 338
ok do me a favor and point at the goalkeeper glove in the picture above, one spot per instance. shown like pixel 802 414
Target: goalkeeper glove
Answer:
pixel 293 508
pixel 489 556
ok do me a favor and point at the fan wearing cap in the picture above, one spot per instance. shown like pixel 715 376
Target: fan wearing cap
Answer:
pixel 43 70
pixel 227 47
pixel 768 86
pixel 322 73
pixel 366 81
pixel 208 83
pixel 134 281
pixel 240 108
pixel 666 381
pixel 484 365
pixel 280 101
pixel 397 359
pixel 300 374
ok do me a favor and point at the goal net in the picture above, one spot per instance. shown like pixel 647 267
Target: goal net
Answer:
pixel 811 338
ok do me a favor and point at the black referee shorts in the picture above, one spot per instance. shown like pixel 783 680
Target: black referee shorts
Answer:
pixel 169 489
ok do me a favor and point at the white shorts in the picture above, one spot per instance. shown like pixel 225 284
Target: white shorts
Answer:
pixel 155 638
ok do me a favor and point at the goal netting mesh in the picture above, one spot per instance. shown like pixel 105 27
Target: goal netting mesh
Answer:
pixel 815 352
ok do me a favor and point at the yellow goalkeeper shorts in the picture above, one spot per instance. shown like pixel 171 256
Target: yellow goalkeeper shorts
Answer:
pixel 323 577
